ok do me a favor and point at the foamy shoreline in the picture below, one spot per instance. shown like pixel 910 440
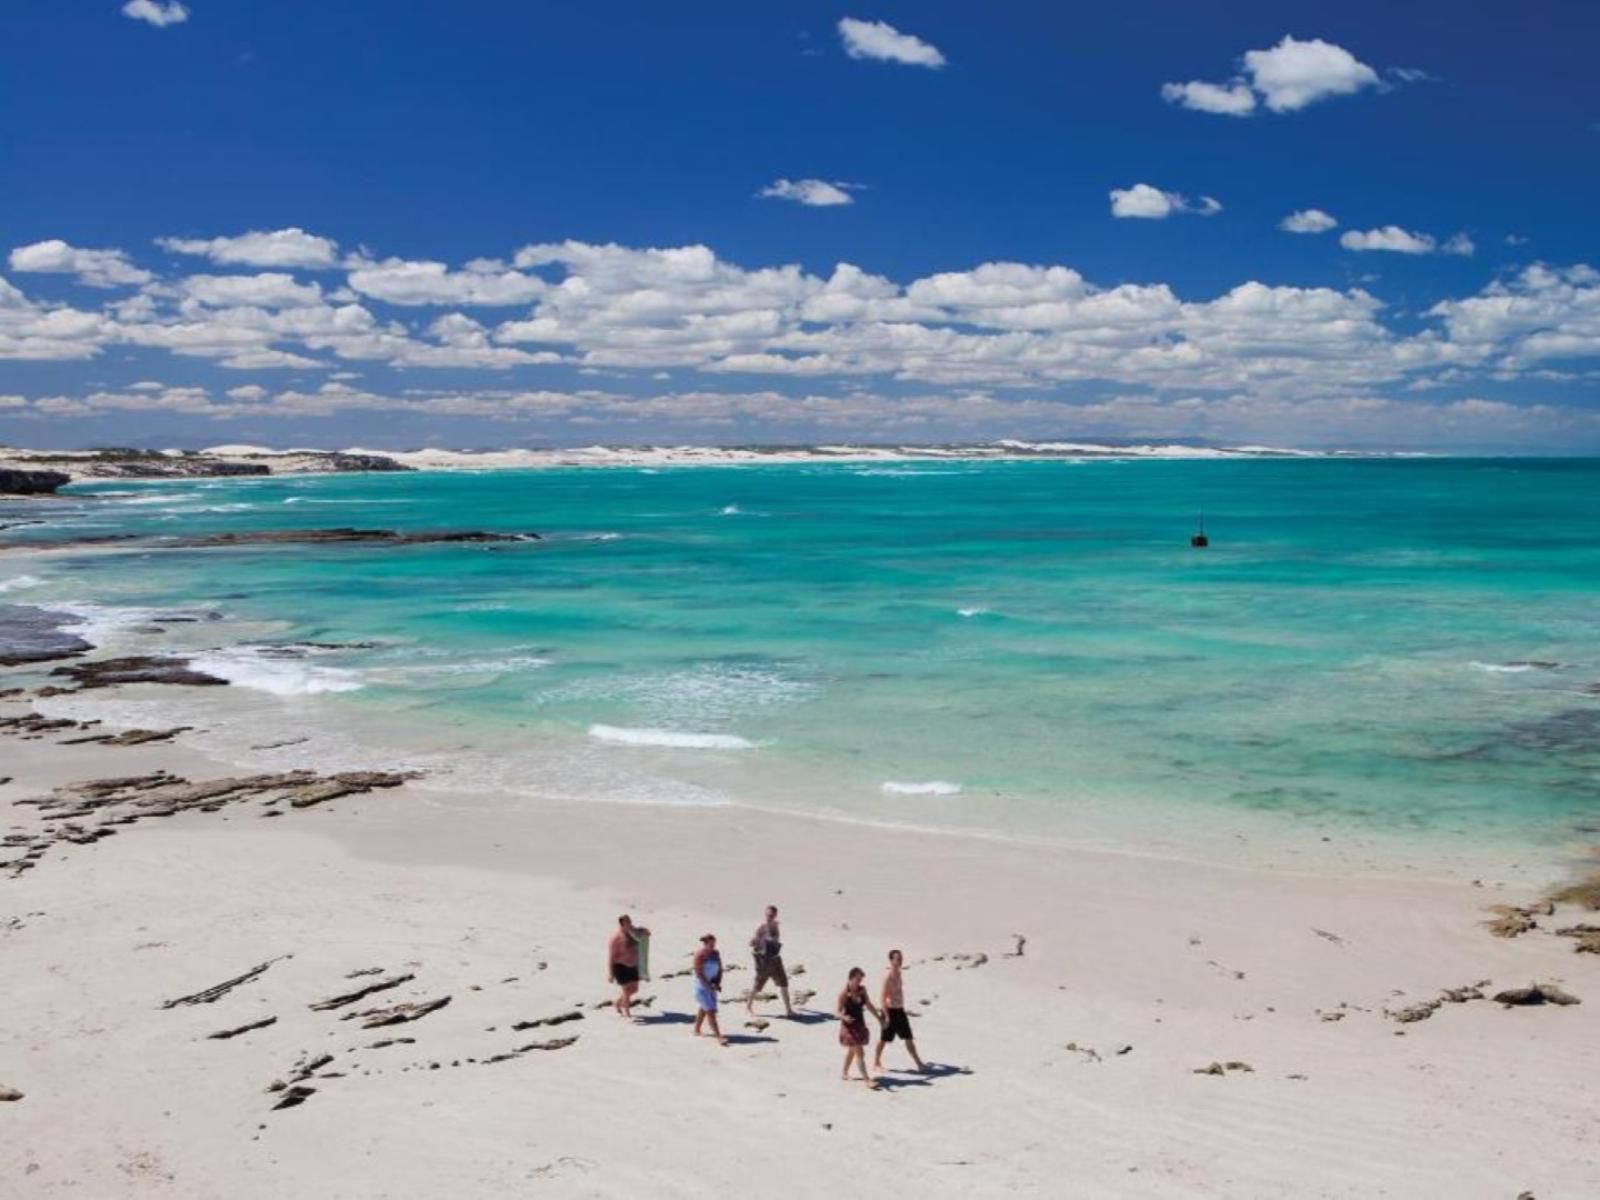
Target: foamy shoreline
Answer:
pixel 1070 1069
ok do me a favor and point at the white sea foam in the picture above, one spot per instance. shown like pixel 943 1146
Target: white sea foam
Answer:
pixel 247 667
pixel 101 623
pixel 976 611
pixel 931 787
pixel 620 736
pixel 153 497
pixel 20 582
pixel 364 501
pixel 1514 668
pixel 730 510
pixel 493 666
pixel 712 694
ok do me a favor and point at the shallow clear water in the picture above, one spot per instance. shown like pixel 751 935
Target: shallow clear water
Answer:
pixel 1004 645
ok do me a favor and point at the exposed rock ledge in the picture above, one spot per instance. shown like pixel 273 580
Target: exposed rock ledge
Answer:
pixel 17 482
pixel 34 635
pixel 20 470
pixel 280 537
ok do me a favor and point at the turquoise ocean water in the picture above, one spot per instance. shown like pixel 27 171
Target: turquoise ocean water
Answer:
pixel 1018 646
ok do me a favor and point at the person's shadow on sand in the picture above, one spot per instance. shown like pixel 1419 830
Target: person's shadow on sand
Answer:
pixel 803 1016
pixel 682 1018
pixel 666 1018
pixel 892 1080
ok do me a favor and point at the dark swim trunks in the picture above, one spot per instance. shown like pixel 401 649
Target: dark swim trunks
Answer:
pixel 898 1025
pixel 770 967
pixel 622 974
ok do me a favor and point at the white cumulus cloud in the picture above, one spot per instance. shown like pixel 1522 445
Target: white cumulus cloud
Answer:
pixel 1151 203
pixel 815 193
pixel 1290 76
pixel 1233 99
pixel 397 281
pixel 1390 237
pixel 1294 74
pixel 272 289
pixel 1308 220
pixel 159 13
pixel 882 41
pixel 95 268
pixel 291 247
pixel 1031 331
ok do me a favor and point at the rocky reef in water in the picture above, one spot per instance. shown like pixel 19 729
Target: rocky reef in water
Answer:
pixel 281 537
pixel 29 634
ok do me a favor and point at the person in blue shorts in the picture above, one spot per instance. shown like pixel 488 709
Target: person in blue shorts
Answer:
pixel 707 986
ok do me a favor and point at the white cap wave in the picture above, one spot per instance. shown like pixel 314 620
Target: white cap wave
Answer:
pixel 674 739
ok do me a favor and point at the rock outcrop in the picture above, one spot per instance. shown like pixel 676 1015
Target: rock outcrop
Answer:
pixel 122 801
pixel 15 482
pixel 29 634
pixel 1536 993
pixel 109 672
pixel 123 462
pixel 365 462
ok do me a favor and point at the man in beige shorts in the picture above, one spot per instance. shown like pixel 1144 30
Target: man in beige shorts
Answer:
pixel 767 946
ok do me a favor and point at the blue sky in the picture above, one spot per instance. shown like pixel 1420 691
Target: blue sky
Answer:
pixel 513 223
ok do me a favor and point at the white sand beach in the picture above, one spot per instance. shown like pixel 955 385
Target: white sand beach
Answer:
pixel 1070 1070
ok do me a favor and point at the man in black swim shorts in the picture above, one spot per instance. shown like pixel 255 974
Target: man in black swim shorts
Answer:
pixel 896 1024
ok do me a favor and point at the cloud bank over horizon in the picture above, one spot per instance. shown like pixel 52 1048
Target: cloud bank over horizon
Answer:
pixel 1002 347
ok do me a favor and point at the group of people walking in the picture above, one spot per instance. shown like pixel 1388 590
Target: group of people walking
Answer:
pixel 628 959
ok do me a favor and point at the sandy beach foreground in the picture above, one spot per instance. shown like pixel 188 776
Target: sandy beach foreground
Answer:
pixel 1082 1067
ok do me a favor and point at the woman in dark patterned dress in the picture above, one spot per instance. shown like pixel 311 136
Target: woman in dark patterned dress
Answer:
pixel 854 1004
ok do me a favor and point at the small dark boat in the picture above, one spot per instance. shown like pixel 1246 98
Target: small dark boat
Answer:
pixel 1199 540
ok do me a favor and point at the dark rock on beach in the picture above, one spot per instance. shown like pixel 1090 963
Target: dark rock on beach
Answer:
pixel 130 799
pixel 223 1035
pixel 295 1096
pixel 399 1014
pixel 1537 993
pixel 109 672
pixel 340 1001
pixel 216 991
pixel 129 737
